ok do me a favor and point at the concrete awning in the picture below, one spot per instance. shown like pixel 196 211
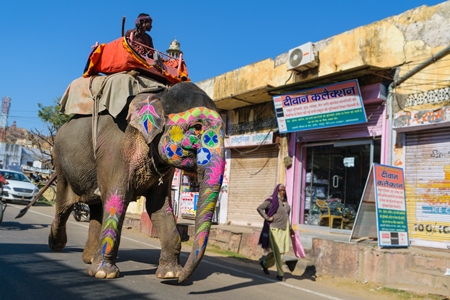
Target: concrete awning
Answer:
pixel 365 75
pixel 251 97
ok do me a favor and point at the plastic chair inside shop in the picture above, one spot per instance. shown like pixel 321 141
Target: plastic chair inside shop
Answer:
pixel 325 212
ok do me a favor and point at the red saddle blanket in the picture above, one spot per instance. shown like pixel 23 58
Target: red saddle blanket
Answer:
pixel 118 56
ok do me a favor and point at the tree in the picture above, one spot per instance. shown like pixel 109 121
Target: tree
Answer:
pixel 51 117
pixel 53 120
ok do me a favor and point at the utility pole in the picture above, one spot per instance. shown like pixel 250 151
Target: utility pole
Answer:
pixel 6 103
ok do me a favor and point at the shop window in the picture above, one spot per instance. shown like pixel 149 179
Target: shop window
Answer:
pixel 337 173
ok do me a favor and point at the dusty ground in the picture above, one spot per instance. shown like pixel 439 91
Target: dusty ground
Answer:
pixel 365 290
pixel 372 291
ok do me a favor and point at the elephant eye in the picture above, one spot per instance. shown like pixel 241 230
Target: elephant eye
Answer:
pixel 198 127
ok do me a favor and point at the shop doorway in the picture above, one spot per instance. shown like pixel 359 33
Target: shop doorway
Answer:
pixel 336 174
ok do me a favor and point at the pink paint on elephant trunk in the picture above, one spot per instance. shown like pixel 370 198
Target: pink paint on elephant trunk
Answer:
pixel 210 174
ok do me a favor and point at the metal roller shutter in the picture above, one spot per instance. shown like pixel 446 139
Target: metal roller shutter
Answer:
pixel 427 183
pixel 252 179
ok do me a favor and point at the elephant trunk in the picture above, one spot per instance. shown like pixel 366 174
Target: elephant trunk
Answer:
pixel 210 177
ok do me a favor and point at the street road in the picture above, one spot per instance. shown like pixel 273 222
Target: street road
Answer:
pixel 29 269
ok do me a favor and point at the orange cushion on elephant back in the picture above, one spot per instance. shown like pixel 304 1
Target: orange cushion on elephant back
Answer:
pixel 118 56
pixel 114 57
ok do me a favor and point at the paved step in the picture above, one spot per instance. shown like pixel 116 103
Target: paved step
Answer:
pixel 430 279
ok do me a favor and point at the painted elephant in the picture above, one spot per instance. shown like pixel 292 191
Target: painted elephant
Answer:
pixel 135 155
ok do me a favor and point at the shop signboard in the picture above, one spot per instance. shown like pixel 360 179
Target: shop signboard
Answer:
pixel 382 210
pixel 245 140
pixel 333 105
pixel 188 204
pixel 176 179
pixel 391 206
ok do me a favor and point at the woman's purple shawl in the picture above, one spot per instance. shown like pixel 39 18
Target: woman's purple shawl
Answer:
pixel 264 237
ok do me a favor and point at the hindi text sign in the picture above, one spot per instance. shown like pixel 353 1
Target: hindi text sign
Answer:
pixel 382 210
pixel 391 206
pixel 322 107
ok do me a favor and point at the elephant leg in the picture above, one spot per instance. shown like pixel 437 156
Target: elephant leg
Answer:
pixel 104 262
pixel 162 217
pixel 95 227
pixel 57 238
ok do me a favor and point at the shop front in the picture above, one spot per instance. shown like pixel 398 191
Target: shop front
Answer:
pixel 422 149
pixel 332 164
pixel 336 174
pixel 253 175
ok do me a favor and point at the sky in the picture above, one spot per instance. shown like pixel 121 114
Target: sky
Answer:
pixel 46 43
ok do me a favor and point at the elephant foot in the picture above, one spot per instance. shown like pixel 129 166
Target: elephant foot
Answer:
pixel 57 243
pixel 168 271
pixel 88 253
pixel 104 270
pixel 87 258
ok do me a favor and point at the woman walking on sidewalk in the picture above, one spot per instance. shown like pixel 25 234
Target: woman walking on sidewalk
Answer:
pixel 275 233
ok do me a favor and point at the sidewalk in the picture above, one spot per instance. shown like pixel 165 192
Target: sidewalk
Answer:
pixel 329 252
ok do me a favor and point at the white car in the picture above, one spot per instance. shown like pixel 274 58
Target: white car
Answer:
pixel 19 187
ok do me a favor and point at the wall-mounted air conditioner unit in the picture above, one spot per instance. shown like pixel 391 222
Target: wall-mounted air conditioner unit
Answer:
pixel 302 57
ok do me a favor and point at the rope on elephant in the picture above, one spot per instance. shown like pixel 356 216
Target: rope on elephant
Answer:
pixel 161 176
pixel 96 108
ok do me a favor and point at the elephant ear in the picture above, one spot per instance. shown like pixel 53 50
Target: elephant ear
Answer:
pixel 146 114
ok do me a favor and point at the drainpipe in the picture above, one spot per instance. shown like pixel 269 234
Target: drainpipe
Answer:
pixel 399 81
pixel 391 118
pixel 295 203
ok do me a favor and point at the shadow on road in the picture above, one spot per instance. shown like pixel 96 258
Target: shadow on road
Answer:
pixel 21 227
pixel 255 274
pixel 27 273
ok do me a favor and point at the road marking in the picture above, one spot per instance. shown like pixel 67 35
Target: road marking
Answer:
pixel 206 261
pixel 272 280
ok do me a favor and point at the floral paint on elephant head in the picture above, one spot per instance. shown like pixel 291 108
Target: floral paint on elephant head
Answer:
pixel 115 208
pixel 176 133
pixel 191 143
pixel 193 114
pixel 173 152
pixel 202 147
pixel 211 138
pixel 196 132
pixel 148 115
pixel 203 156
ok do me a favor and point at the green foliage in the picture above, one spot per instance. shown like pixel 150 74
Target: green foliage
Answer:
pixel 401 294
pixel 51 116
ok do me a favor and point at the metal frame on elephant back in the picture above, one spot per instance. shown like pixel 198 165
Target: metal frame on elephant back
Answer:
pixel 124 54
